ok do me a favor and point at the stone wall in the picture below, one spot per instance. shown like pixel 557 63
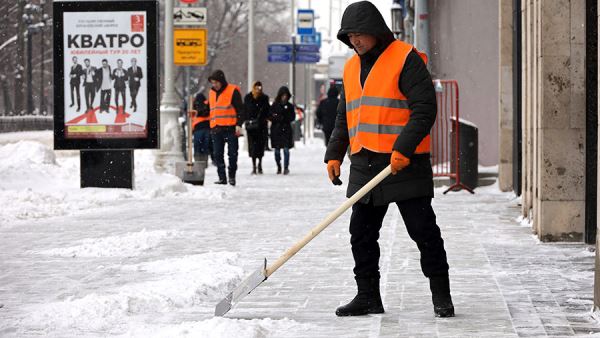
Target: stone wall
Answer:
pixel 554 118
pixel 505 99
pixel 22 123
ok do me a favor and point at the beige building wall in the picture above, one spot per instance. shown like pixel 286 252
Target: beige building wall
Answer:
pixel 505 102
pixel 464 47
pixel 554 117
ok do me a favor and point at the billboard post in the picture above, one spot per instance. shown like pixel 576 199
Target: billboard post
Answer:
pixel 106 85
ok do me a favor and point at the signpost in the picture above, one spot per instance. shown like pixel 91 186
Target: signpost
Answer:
pixel 306 22
pixel 189 16
pixel 189 46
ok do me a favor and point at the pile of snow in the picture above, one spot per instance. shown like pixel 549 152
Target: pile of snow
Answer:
pixel 126 245
pixel 226 328
pixel 36 183
pixel 193 281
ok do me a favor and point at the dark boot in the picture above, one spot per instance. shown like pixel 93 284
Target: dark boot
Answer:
pixel 278 168
pixel 253 166
pixel 440 294
pixel 232 180
pixel 260 171
pixel 286 171
pixel 221 181
pixel 368 299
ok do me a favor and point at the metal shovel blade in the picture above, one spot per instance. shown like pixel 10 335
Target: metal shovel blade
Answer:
pixel 249 284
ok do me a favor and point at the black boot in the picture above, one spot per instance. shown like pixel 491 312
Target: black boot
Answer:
pixel 368 299
pixel 221 181
pixel 440 294
pixel 253 166
pixel 260 167
pixel 286 171
pixel 232 180
pixel 278 168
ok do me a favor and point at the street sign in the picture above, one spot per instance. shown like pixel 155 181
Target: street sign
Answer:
pixel 306 22
pixel 189 16
pixel 307 48
pixel 189 46
pixel 307 58
pixel 280 58
pixel 279 48
pixel 314 39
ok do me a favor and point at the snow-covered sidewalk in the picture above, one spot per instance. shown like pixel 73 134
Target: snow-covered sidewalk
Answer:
pixel 153 262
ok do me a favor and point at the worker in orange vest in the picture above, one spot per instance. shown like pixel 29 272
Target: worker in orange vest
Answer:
pixel 226 119
pixel 201 127
pixel 387 108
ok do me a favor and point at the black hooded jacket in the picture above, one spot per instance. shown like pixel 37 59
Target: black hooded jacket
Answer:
pixel 327 110
pixel 236 100
pixel 415 83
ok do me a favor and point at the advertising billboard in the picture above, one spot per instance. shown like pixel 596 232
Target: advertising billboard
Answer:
pixel 106 75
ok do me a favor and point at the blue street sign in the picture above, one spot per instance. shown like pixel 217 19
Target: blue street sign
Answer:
pixel 279 48
pixel 307 58
pixel 280 58
pixel 313 39
pixel 307 48
pixel 306 22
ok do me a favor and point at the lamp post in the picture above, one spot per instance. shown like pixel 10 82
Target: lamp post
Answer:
pixel 397 19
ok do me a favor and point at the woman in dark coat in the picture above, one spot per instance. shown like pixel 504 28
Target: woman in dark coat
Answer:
pixel 257 110
pixel 282 115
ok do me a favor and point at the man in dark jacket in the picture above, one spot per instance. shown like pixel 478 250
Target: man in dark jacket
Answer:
pixel 377 143
pixel 226 119
pixel 327 111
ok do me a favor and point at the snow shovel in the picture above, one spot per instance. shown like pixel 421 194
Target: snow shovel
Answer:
pixel 261 275
pixel 190 172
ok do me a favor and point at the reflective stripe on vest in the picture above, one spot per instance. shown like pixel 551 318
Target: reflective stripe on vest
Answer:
pixel 377 113
pixel 222 112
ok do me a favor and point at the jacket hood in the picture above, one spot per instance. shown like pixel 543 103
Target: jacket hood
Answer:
pixel 333 92
pixel 283 90
pixel 364 17
pixel 218 75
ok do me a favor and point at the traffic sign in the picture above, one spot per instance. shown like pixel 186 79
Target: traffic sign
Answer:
pixel 189 16
pixel 306 22
pixel 189 46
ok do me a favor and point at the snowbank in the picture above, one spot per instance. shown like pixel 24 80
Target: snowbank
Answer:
pixel 193 282
pixel 36 182
pixel 126 245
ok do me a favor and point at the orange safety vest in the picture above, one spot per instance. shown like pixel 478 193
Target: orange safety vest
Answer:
pixel 222 112
pixel 377 113
pixel 198 119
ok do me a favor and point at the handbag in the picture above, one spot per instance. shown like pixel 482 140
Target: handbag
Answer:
pixel 252 125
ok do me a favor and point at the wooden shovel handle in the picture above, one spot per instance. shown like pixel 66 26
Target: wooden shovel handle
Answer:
pixel 328 220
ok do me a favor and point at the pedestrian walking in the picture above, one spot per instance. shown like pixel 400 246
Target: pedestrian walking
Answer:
pixel 256 105
pixel 226 118
pixel 327 111
pixel 201 127
pixel 281 116
pixel 387 108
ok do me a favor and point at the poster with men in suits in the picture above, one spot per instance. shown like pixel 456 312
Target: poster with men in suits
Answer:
pixel 105 58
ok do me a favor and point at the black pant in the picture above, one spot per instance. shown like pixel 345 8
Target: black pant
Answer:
pixel 121 92
pixel 133 91
pixel 105 100
pixel 419 219
pixel 220 137
pixel 90 94
pixel 75 88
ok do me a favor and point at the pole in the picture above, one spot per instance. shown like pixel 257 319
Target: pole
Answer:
pixel 422 26
pixel 250 44
pixel 293 71
pixel 292 65
pixel 42 42
pixel 170 130
pixel 29 73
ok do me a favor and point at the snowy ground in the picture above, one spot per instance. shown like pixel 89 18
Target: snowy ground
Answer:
pixel 153 262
